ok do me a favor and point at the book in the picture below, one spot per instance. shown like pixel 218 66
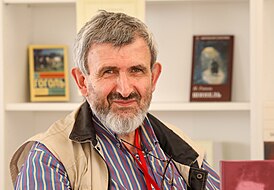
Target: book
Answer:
pixel 269 150
pixel 247 175
pixel 211 76
pixel 48 73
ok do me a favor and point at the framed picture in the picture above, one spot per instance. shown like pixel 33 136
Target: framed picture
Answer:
pixel 48 73
pixel 212 68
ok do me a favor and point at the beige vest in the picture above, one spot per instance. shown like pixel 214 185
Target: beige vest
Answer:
pixel 85 167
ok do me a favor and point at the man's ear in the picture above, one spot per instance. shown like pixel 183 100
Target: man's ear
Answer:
pixel 156 71
pixel 80 80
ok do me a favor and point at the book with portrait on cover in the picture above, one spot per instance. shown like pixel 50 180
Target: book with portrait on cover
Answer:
pixel 211 68
pixel 247 175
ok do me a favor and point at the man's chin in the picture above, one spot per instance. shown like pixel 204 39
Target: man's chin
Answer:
pixel 125 114
pixel 125 111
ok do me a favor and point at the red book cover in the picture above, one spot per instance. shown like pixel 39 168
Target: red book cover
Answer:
pixel 247 175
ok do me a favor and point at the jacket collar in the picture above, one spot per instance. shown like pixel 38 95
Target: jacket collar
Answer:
pixel 172 144
pixel 84 130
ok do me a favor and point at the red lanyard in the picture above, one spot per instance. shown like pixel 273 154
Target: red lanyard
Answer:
pixel 142 163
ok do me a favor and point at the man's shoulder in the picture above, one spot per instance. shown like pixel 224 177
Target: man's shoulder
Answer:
pixel 40 154
pixel 56 140
pixel 174 141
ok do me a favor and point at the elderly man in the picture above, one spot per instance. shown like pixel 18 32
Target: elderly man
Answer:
pixel 111 141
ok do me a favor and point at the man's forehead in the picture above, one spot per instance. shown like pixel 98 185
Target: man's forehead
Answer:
pixel 106 54
pixel 138 42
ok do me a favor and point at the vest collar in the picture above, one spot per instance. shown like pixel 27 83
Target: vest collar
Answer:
pixel 172 144
pixel 83 128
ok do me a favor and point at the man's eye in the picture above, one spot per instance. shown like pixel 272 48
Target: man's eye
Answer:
pixel 109 71
pixel 136 70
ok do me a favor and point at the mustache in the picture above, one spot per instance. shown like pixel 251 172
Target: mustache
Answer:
pixel 118 96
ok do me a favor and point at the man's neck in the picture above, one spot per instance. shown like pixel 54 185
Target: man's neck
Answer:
pixel 130 139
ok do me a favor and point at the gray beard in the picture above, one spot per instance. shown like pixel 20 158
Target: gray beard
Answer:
pixel 122 125
pixel 118 124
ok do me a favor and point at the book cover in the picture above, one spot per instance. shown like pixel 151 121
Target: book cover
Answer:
pixel 247 175
pixel 48 73
pixel 211 76
pixel 269 150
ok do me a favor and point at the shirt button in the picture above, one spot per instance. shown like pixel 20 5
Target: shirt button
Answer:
pixel 118 145
pixel 199 176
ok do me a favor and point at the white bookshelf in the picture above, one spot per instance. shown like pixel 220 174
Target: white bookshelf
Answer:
pixel 237 125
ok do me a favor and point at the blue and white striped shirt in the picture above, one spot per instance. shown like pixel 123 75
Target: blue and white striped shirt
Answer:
pixel 43 171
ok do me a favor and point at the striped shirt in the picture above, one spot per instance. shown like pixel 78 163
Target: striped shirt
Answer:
pixel 125 172
pixel 43 171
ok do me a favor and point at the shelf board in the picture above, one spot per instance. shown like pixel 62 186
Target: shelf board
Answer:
pixel 74 1
pixel 41 106
pixel 37 1
pixel 159 106
pixel 201 106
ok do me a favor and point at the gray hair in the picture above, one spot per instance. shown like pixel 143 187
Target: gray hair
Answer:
pixel 107 27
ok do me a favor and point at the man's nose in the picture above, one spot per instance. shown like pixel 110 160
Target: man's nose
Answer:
pixel 124 85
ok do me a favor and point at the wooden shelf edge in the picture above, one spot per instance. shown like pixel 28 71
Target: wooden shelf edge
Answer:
pixel 41 106
pixel 74 1
pixel 203 106
pixel 37 1
pixel 155 106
